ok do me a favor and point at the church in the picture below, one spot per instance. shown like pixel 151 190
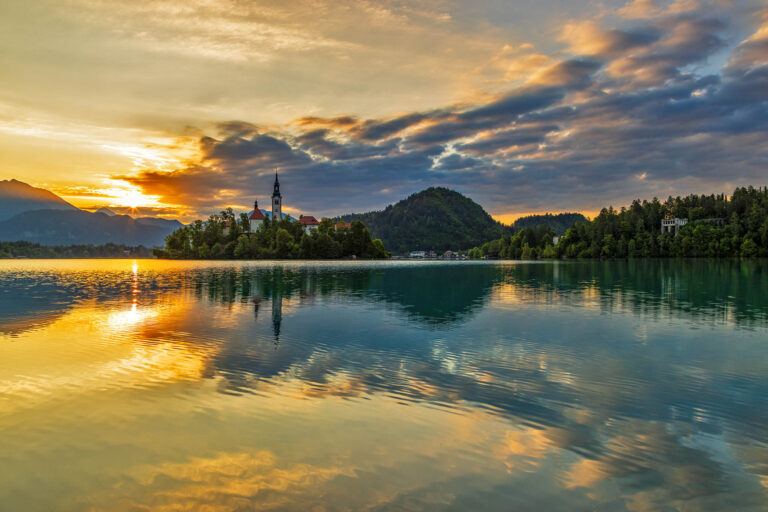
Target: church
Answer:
pixel 256 217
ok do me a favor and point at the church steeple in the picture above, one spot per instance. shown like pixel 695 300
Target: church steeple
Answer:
pixel 276 193
pixel 277 200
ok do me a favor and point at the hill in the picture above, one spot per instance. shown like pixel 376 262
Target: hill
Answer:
pixel 17 197
pixel 436 219
pixel 78 227
pixel 559 222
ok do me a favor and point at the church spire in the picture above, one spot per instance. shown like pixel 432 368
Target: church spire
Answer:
pixel 277 201
pixel 276 193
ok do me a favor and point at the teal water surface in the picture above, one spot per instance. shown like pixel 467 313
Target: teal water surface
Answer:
pixel 181 386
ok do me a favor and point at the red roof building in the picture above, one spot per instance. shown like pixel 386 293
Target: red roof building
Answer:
pixel 342 225
pixel 256 217
pixel 308 222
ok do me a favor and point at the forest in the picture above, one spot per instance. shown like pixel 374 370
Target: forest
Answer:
pixel 35 250
pixel 226 236
pixel 718 226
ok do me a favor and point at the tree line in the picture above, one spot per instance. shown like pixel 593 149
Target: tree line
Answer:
pixel 718 226
pixel 35 250
pixel 226 236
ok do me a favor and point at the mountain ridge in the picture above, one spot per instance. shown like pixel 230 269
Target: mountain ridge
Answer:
pixel 37 215
pixel 17 197
pixel 77 227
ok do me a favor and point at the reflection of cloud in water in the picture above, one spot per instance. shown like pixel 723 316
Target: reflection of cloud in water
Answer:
pixel 610 383
pixel 228 481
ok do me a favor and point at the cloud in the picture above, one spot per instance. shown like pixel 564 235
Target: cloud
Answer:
pixel 588 38
pixel 637 99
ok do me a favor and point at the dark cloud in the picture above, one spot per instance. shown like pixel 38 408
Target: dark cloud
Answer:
pixel 260 150
pixel 631 117
pixel 377 130
pixel 515 104
pixel 507 139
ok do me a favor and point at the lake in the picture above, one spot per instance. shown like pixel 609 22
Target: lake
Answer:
pixel 179 386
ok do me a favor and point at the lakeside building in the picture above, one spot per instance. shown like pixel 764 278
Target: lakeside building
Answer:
pixel 309 223
pixel 669 225
pixel 256 218
pixel 451 255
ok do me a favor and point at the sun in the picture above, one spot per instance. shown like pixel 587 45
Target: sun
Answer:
pixel 130 196
pixel 132 199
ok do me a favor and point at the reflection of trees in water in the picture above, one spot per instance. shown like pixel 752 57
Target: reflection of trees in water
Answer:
pixel 629 391
pixel 642 391
pixel 720 291
pixel 729 291
pixel 431 295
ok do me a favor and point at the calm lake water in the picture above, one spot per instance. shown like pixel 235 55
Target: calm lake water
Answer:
pixel 180 386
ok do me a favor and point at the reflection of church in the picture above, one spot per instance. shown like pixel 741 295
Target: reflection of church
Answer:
pixel 277 312
pixel 276 297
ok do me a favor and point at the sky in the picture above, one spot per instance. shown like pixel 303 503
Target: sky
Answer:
pixel 184 107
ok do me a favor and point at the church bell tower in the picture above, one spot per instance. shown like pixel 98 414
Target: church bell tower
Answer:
pixel 277 201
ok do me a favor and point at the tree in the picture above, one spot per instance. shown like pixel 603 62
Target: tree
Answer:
pixel 243 247
pixel 283 243
pixel 749 248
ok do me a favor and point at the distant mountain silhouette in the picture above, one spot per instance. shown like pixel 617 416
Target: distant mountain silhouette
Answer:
pixel 37 215
pixel 55 227
pixel 17 197
pixel 160 223
pixel 434 219
pixel 106 211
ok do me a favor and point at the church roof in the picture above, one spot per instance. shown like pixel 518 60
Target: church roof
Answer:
pixel 256 215
pixel 308 220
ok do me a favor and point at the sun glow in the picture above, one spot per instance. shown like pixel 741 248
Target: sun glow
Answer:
pixel 125 194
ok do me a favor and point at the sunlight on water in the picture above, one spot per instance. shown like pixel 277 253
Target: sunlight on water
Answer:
pixel 154 385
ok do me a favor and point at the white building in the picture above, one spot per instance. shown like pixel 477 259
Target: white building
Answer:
pixel 309 223
pixel 256 218
pixel 669 225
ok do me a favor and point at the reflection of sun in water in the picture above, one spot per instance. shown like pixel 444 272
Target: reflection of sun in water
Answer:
pixel 135 315
pixel 130 317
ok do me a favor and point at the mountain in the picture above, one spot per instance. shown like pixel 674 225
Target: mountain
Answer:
pixel 160 223
pixel 55 227
pixel 37 215
pixel 18 197
pixel 434 219
pixel 105 211
pixel 559 222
